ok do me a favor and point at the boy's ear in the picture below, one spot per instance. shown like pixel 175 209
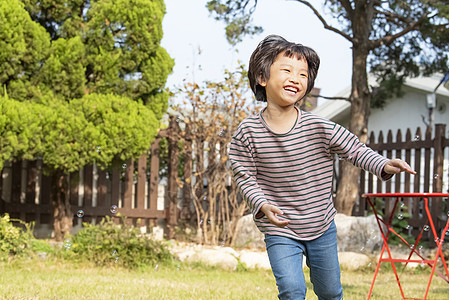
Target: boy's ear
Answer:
pixel 262 82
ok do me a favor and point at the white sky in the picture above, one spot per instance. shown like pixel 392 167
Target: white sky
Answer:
pixel 188 27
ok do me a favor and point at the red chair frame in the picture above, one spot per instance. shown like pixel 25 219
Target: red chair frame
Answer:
pixel 385 236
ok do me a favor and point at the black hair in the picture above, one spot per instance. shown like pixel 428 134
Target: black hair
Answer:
pixel 266 53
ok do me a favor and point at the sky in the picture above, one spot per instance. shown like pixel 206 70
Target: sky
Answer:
pixel 189 30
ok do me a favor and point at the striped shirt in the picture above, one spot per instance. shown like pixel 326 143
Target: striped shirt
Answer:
pixel 294 170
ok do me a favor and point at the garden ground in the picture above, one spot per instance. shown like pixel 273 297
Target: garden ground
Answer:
pixel 56 279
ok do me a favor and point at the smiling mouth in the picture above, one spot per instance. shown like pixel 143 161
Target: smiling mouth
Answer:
pixel 291 89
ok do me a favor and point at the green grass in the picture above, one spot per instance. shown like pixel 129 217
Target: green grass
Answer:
pixel 56 279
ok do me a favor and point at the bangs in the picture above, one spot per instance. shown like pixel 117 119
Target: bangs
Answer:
pixel 295 51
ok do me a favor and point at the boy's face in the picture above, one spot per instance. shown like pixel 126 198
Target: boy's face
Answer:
pixel 288 81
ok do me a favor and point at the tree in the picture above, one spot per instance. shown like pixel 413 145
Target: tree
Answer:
pixel 392 39
pixel 88 80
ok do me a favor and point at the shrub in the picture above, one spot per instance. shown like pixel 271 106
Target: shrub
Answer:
pixel 108 243
pixel 14 241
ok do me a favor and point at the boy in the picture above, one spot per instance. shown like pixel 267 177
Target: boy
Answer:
pixel 282 160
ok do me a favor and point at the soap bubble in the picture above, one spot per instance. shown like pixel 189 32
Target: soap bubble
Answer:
pixel 80 213
pixel 156 267
pixel 67 244
pixel 426 228
pixel 412 246
pixel 201 221
pixel 417 138
pixel 124 166
pixel 435 176
pixel 98 149
pixel 408 227
pixel 114 209
pixel 400 216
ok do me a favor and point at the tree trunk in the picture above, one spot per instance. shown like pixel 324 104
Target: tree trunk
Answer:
pixel 62 214
pixel 348 187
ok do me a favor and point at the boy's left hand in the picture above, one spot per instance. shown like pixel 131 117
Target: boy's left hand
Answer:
pixel 395 166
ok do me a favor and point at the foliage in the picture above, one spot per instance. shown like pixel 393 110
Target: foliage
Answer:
pixel 125 128
pixel 108 243
pixel 14 241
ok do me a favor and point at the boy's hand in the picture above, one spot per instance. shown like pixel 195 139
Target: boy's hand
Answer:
pixel 271 212
pixel 396 166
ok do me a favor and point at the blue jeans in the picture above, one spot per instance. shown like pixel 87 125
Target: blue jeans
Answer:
pixel 286 256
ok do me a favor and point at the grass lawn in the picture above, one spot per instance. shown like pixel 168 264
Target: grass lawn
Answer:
pixel 37 279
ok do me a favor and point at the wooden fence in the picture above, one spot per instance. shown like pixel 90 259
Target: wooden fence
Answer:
pixel 429 156
pixel 133 187
pixel 130 190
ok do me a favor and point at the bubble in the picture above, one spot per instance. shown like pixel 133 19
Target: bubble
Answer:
pixel 422 265
pixel 412 246
pixel 448 213
pixel 222 243
pixel 400 217
pixel 201 221
pixel 98 149
pixel 426 228
pixel 124 166
pixel 435 176
pixel 115 256
pixel 114 209
pixel 447 232
pixel 178 267
pixel 204 198
pixel 156 267
pixel 369 265
pixel 80 213
pixel 417 138
pixel 67 244
pixel 437 240
pixel 362 248
pixel 408 227
pixel 402 204
pixel 420 248
pixel 108 175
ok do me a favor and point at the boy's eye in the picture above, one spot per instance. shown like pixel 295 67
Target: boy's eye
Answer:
pixel 286 70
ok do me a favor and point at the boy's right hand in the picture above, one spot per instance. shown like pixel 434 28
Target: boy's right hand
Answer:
pixel 271 212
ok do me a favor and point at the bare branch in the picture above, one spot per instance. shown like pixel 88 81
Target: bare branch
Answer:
pixel 326 26
pixel 330 98
pixel 386 40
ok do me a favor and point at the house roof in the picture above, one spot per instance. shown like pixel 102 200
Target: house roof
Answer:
pixel 331 109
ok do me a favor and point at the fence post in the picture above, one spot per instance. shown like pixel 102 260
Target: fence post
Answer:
pixel 172 188
pixel 187 188
pixel 437 186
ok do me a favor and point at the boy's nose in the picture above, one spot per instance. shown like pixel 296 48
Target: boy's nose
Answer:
pixel 294 79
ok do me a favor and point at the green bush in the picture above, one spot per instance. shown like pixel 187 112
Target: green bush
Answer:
pixel 14 241
pixel 108 243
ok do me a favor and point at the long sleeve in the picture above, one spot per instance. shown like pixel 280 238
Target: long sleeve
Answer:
pixel 244 169
pixel 347 146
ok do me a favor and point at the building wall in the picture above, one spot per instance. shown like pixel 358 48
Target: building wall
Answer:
pixel 406 112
